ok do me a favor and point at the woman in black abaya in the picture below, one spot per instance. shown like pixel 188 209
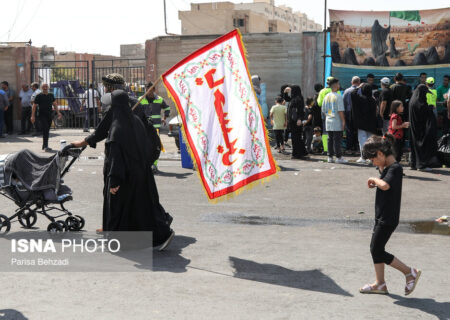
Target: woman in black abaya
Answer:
pixel 423 130
pixel 364 114
pixel 129 201
pixel 296 112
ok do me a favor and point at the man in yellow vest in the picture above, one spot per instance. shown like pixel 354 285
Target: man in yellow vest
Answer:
pixel 325 91
pixel 153 106
pixel 431 97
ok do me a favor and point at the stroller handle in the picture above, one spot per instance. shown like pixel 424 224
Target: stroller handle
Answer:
pixel 70 150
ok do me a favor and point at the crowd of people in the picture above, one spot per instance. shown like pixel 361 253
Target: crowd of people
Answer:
pixel 362 110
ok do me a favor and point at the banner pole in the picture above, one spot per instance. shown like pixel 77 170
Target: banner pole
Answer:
pixel 146 93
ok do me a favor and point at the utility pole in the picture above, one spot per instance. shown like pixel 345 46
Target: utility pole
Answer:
pixel 31 61
pixel 165 21
pixel 324 39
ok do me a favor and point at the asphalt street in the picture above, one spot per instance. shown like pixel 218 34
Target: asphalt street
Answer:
pixel 296 247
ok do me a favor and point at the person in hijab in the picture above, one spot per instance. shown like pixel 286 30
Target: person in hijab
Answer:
pixel 363 114
pixel 296 112
pixel 114 82
pixel 423 131
pixel 128 175
pixel 285 94
pixel 256 80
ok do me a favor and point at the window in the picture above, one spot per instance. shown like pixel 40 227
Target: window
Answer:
pixel 241 22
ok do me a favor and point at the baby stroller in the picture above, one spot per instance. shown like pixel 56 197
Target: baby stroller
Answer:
pixel 35 185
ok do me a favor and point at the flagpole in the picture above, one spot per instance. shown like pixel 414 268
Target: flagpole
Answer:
pixel 146 93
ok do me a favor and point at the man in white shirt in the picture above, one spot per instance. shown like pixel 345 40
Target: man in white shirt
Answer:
pixel 25 102
pixel 36 91
pixel 91 103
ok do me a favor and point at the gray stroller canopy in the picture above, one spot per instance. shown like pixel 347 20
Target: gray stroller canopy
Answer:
pixel 33 171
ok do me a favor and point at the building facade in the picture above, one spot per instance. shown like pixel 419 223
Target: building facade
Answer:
pixel 278 58
pixel 260 16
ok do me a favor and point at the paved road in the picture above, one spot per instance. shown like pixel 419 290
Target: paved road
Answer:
pixel 294 248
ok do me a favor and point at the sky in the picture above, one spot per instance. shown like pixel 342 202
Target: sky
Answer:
pixel 101 26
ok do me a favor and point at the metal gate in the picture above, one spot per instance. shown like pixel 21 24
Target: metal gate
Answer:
pixel 133 70
pixel 69 82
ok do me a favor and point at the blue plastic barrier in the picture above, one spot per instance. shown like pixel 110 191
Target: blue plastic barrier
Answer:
pixel 186 161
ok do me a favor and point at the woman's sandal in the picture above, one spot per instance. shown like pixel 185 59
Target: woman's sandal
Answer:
pixel 411 284
pixel 374 289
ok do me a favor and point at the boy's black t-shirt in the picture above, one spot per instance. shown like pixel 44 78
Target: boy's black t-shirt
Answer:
pixel 45 102
pixel 387 203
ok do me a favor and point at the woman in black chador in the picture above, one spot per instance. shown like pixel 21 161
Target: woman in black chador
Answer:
pixel 296 112
pixel 130 189
pixel 423 130
pixel 131 201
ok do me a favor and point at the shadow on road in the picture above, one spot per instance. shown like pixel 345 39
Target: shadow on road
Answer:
pixel 287 169
pixel 313 280
pixel 172 174
pixel 15 139
pixel 171 259
pixel 421 178
pixel 440 171
pixel 11 314
pixel 441 310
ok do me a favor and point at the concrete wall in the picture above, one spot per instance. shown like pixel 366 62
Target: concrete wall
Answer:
pixel 15 68
pixel 278 58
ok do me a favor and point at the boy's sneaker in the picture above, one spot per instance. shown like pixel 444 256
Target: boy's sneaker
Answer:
pixel 361 160
pixel 341 160
pixel 330 160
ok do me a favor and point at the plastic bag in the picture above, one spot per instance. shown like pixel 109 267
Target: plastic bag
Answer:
pixel 444 149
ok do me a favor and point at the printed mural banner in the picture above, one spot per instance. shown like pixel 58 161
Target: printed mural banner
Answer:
pixel 222 120
pixel 390 38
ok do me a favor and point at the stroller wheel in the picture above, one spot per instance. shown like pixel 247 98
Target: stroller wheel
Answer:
pixel 81 220
pixel 28 220
pixel 63 225
pixel 54 227
pixel 73 223
pixel 5 224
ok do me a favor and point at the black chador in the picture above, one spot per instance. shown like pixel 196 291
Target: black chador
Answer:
pixel 296 111
pixel 423 130
pixel 135 206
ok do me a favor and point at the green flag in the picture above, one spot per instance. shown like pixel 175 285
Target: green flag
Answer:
pixel 406 15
